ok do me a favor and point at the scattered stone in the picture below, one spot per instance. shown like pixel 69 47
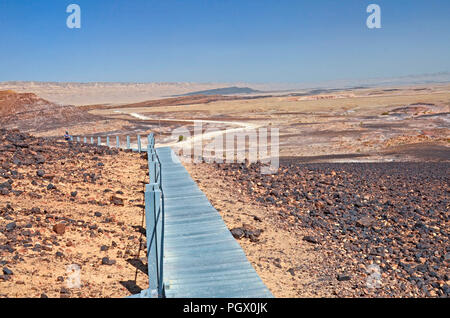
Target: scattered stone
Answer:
pixel 64 290
pixel 59 228
pixel 117 201
pixel 11 226
pixel 35 210
pixel 310 239
pixel 257 218
pixel 107 261
pixel 6 185
pixel 238 233
pixel 5 277
pixel 343 277
pixel 364 222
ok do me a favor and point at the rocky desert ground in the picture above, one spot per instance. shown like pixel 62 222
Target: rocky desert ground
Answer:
pixel 67 208
pixel 327 229
pixel 358 206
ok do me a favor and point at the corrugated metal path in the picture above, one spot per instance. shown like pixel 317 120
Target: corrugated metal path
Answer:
pixel 201 257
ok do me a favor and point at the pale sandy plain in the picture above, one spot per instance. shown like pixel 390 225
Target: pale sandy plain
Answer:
pixel 363 124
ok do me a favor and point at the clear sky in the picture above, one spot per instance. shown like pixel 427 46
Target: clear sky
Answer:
pixel 221 40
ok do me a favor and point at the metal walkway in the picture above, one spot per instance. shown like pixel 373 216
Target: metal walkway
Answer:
pixel 201 257
pixel 191 253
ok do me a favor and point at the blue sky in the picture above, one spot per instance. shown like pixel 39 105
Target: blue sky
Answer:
pixel 221 40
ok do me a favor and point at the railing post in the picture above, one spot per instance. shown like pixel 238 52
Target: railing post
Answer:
pixel 160 238
pixel 151 140
pixel 128 142
pixel 139 143
pixel 152 215
pixel 152 171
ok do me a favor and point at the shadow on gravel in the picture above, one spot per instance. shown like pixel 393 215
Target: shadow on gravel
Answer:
pixel 138 264
pixel 305 159
pixel 139 229
pixel 422 151
pixel 131 286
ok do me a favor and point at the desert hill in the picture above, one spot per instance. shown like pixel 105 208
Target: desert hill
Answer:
pixel 29 112
pixel 12 103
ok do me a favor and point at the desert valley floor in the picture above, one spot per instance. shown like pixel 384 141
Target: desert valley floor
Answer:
pixel 362 184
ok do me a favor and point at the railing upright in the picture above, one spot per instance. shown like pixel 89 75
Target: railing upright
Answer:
pixel 152 215
pixel 151 140
pixel 139 143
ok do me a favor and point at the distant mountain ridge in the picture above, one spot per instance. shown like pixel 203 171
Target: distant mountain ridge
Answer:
pixel 232 90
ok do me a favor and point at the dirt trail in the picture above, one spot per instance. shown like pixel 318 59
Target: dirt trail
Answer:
pixel 242 126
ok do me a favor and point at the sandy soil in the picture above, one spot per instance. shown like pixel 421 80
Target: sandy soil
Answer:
pixel 75 192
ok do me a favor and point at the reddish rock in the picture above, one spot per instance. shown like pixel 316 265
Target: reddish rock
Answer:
pixel 59 228
pixel 116 200
pixel 365 221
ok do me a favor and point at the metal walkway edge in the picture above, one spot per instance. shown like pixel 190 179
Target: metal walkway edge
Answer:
pixel 201 259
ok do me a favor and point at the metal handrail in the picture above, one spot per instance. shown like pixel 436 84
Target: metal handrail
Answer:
pixel 154 211
pixel 154 215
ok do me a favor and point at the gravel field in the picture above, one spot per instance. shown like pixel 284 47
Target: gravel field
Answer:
pixel 375 229
pixel 69 209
